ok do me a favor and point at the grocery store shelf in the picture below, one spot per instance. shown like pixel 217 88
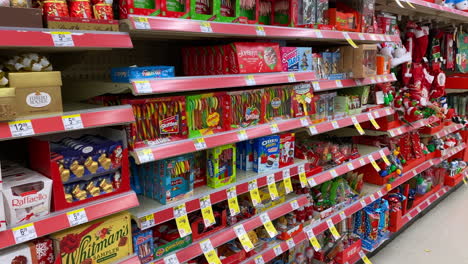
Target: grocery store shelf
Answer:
pixel 225 235
pixel 67 121
pixel 150 213
pixel 447 130
pixel 373 192
pixel 423 9
pixel 130 260
pixel 60 220
pixel 150 153
pixel 338 84
pixel 453 91
pixel 404 128
pixel 161 27
pixel 73 40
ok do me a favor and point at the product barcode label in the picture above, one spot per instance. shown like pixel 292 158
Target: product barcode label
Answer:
pixel 290 243
pixel 142 87
pixel 291 77
pixel 260 31
pixel 147 221
pixel 141 23
pixel 77 217
pixel 21 128
pixel 316 86
pixel 339 84
pixel 242 135
pixel 250 80
pixel 200 143
pixel 294 204
pixel 304 121
pixel 62 39
pixel 277 249
pixel 274 128
pixel 205 27
pixel 24 233
pixel 145 155
pixel 171 259
pixel 72 122
pixel 313 130
pixel 350 166
pixel 259 260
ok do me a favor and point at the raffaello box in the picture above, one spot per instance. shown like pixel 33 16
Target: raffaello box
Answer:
pixel 296 59
pixel 266 152
pixel 252 57
pixel 26 195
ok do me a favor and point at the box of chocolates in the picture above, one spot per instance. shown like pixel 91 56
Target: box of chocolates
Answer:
pixel 39 251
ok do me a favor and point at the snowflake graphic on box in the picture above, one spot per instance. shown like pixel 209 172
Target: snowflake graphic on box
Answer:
pixel 51 258
pixel 41 250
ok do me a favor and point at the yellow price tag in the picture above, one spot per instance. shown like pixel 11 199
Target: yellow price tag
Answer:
pixel 464 180
pixel 207 211
pixel 269 227
pixel 287 185
pixel 273 191
pixel 364 258
pixel 141 19
pixel 350 41
pixel 384 157
pixel 357 125
pixel 332 229
pixel 254 194
pixel 303 179
pixel 209 252
pixel 182 222
pixel 232 201
pixel 372 120
pixel 374 164
pixel 243 238
pixel 313 240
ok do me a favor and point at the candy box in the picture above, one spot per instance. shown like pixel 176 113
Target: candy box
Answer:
pixel 296 59
pixel 221 165
pixel 278 102
pixel 250 107
pixel 167 239
pixel 208 113
pixel 174 179
pixel 250 10
pixel 26 195
pixel 103 241
pixel 266 153
pixel 302 100
pixel 252 57
pixel 286 149
pixel 199 169
pixel 127 74
pixel 143 245
pixel 165 8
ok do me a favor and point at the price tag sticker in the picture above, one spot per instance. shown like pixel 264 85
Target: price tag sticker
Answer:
pixel 374 164
pixel 62 39
pixel 372 80
pixel 200 144
pixel 362 162
pixel 269 227
pixel 303 179
pixel 358 82
pixel 24 233
pixel 254 194
pixel 272 188
pixel 301 168
pixel 385 79
pixel 243 238
pixel 142 87
pixel 364 258
pixel 418 209
pixel 290 243
pixel 361 36
pixel 363 203
pixel 318 33
pixel 205 27
pixel 342 215
pixel 316 86
pixel 357 125
pixel 384 157
pixel 304 121
pixel 141 23
pixel 350 41
pixel 312 182
pixel 313 240
pixel 294 205
pixel 372 120
pixel 437 195
pixel 350 166
pixel 333 173
pixel 288 188
pixel 232 201
pixel 260 31
pixel 339 84
pixel 171 259
pixel 183 225
pixel 274 128
pixel 291 77
pixel 332 229
pixel 72 122
pixel 145 155
pixel 250 80
pixel 242 135
pixel 380 194
pixel 21 128
pixel 277 249
pixel 209 252
pixel 313 130
pixel 259 260
pixel 147 221
pixel 77 217
pixel 372 198
pixel 335 124
pixel 207 211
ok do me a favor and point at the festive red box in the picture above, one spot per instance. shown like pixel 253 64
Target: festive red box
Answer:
pixel 410 164
pixel 128 7
pixel 452 181
pixel 41 161
pixel 198 226
pixel 372 176
pixel 252 57
pixel 385 123
pixel 420 198
pixel 349 253
pixel 396 221
pixel 436 127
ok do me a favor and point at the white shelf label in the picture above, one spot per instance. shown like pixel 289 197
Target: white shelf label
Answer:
pixel 205 27
pixel 335 124
pixel 316 86
pixel 358 82
pixel 24 233
pixel 301 168
pixel 361 36
pixel 145 155
pixel 72 122
pixel 294 205
pixel 142 87
pixel 21 128
pixel 62 39
pixel 342 215
pixel 277 249
pixel 363 203
pixel 259 260
pixel 286 174
pixel 270 179
pixel 372 198
pixel 291 77
pixel 318 33
pixel 274 128
pixel 350 166
pixel 260 31
pixel 290 243
pixel 418 209
pixel 313 130
pixel 242 135
pixel 250 80
pixel 147 221
pixel 362 162
pixel 304 121
pixel 372 79
pixel 172 259
pixel 200 143
pixel 77 217
pixel 333 173
pixel 141 23
pixel 376 114
pixel 312 182
pixel 379 193
pixel 338 83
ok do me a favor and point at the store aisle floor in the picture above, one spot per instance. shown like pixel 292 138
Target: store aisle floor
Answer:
pixel 438 237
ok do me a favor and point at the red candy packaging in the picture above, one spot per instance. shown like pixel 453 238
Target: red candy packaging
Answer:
pixel 80 8
pixel 103 11
pixel 55 8
pixel 252 57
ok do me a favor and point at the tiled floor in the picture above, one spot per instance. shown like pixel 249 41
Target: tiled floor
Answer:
pixel 441 236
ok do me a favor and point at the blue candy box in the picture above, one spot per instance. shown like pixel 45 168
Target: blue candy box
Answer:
pixel 126 74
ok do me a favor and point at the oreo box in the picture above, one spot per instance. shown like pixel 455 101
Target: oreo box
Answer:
pixel 126 74
pixel 266 151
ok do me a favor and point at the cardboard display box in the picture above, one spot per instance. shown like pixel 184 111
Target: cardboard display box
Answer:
pixel 361 62
pixel 37 92
pixel 7 104
pixel 76 23
pixel 20 17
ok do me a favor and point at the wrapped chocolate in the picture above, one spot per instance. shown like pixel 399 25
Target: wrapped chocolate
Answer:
pixel 80 8
pixel 55 8
pixel 29 62
pixel 3 79
pixel 103 11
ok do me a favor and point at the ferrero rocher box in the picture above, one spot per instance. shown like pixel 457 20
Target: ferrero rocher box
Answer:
pixel 37 92
pixel 102 241
pixel 7 104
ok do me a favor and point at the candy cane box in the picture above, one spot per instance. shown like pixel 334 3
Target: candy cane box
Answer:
pixel 26 196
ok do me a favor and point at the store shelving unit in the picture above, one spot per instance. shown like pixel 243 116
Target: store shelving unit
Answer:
pixel 447 130
pixel 62 40
pixel 60 220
